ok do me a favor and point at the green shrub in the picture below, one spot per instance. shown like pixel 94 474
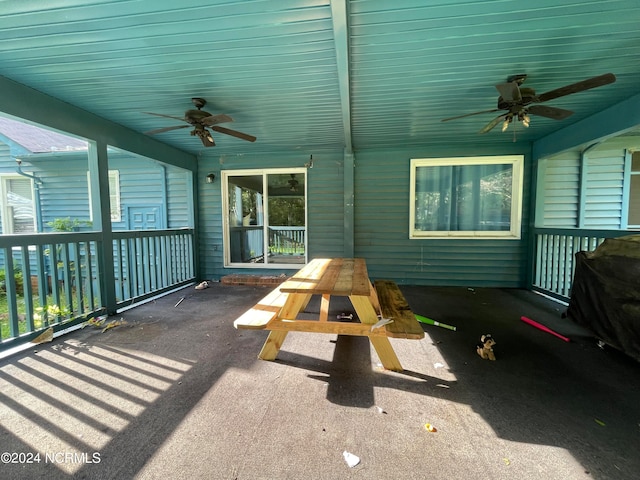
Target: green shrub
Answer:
pixel 17 275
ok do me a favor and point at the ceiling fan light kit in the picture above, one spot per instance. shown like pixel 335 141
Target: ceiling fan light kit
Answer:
pixel 521 102
pixel 202 121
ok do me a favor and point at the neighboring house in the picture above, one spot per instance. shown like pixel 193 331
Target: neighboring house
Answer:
pixel 44 177
pixel 44 184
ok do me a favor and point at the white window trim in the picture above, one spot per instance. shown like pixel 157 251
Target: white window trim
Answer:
pixel 629 173
pixel 7 227
pixel 517 162
pixel 225 216
pixel 115 174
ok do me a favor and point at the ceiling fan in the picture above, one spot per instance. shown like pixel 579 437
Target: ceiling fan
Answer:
pixel 201 121
pixel 520 102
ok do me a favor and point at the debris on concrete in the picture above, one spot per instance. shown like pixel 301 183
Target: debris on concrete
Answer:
pixel 430 428
pixel 114 323
pixel 179 302
pixel 46 336
pixel 351 459
pixel 202 285
pixel 100 322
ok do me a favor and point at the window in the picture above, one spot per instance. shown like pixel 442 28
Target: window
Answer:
pixel 18 208
pixel 114 195
pixel 265 223
pixel 475 197
pixel 634 192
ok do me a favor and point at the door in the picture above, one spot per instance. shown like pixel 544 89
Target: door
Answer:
pixel 144 218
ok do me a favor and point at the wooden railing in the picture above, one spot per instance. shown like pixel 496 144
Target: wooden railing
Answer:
pixel 555 251
pixel 147 261
pixel 58 279
pixel 286 240
pixel 48 279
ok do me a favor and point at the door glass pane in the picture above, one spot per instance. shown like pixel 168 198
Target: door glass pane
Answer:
pixel 246 218
pixel 286 224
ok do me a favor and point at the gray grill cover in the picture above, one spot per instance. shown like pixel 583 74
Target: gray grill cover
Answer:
pixel 605 295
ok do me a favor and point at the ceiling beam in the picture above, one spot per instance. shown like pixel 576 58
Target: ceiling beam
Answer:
pixel 340 16
pixel 608 123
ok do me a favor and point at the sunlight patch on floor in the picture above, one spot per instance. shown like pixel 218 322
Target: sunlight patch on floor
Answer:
pixel 424 357
pixel 67 402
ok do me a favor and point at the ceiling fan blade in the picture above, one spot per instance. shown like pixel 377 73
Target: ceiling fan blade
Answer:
pixel 165 116
pixel 549 112
pixel 234 133
pixel 489 126
pixel 470 114
pixel 590 83
pixel 510 92
pixel 215 119
pixel 165 129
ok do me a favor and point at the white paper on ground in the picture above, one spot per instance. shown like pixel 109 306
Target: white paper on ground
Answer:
pixel 351 459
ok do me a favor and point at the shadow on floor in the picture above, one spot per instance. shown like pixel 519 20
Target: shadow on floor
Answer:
pixel 176 392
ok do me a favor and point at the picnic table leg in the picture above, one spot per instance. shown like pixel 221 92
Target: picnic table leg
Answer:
pixel 373 295
pixel 294 304
pixel 324 308
pixel 272 345
pixel 385 352
pixel 367 314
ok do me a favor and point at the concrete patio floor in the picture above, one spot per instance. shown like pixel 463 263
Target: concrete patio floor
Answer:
pixel 178 393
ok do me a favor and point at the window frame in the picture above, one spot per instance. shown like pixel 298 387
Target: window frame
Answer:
pixel 265 172
pixel 629 201
pixel 515 231
pixel 114 176
pixel 8 225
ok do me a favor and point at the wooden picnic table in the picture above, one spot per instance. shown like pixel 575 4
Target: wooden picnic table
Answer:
pixel 343 277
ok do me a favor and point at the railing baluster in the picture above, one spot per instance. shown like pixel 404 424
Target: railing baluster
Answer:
pixel 55 289
pixel 77 278
pixel 89 276
pixel 27 291
pixel 10 288
pixel 562 264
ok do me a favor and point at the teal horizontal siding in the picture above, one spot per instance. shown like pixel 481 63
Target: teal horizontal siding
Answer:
pixel 325 206
pixel 603 201
pixel 602 189
pixel 561 191
pixel 382 233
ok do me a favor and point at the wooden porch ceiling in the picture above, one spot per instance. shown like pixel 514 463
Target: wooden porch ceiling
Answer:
pixel 308 75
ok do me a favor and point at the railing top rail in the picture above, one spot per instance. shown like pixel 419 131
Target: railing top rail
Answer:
pixel 8 241
pixel 301 227
pixel 32 239
pixel 583 232
pixel 120 234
